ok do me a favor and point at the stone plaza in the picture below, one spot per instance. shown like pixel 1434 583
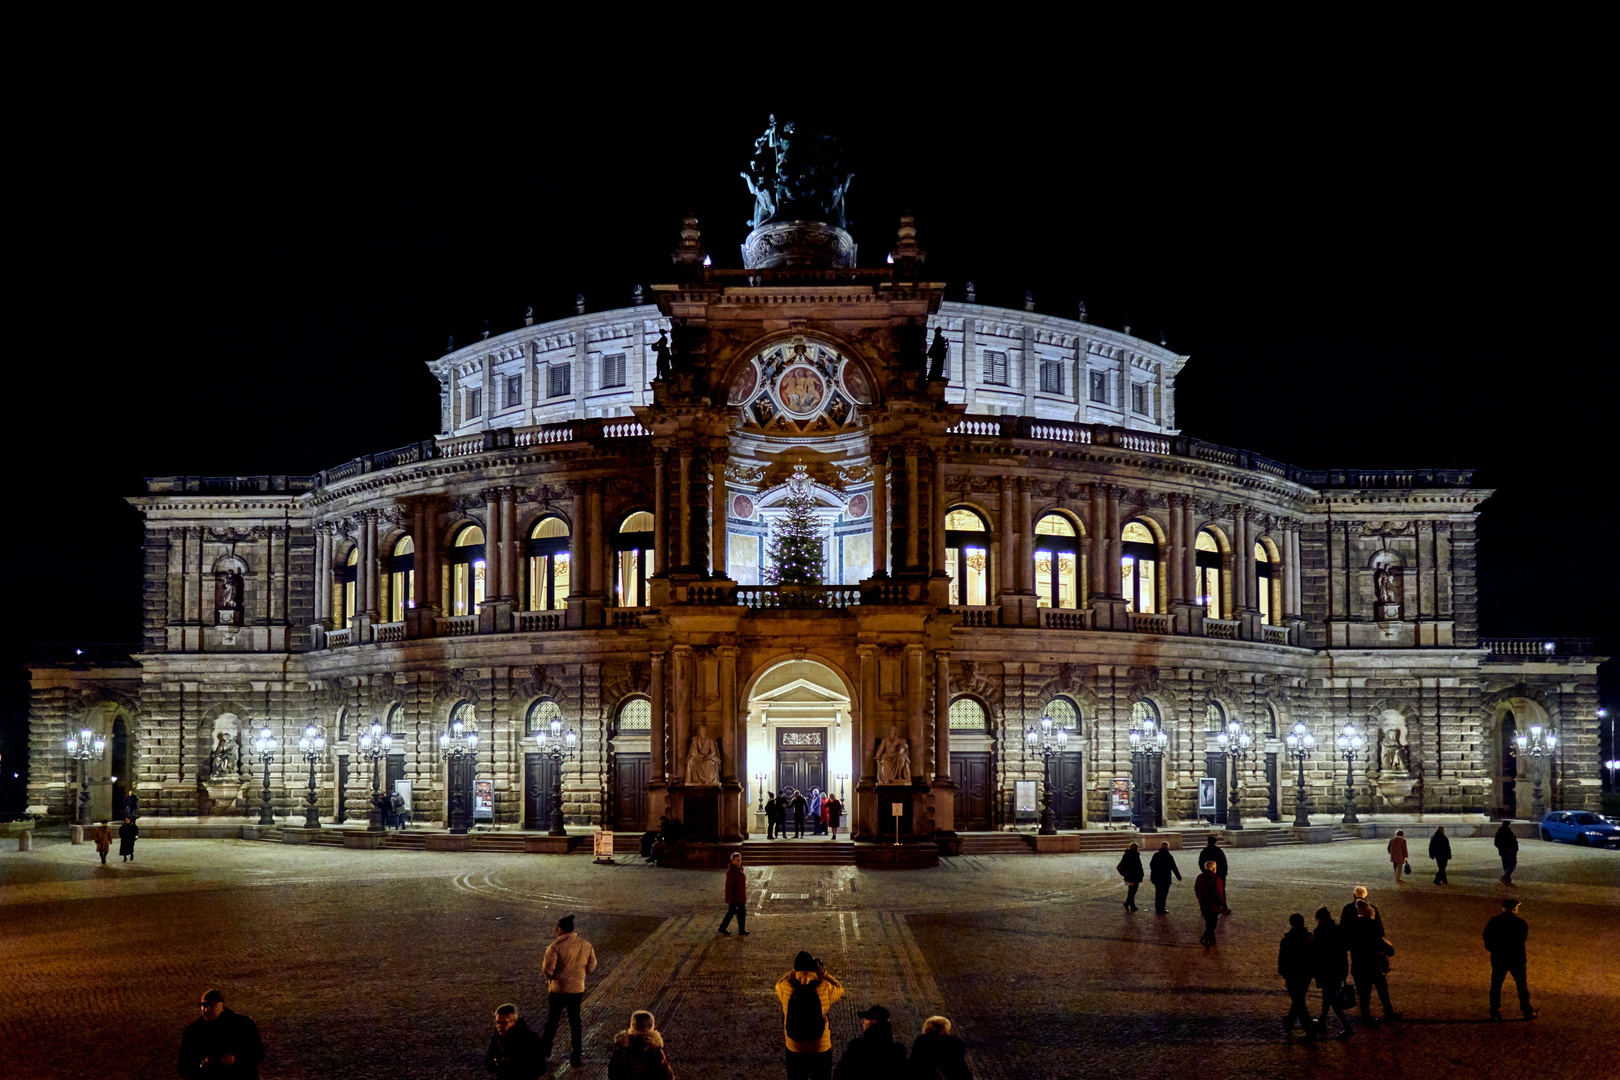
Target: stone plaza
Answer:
pixel 389 963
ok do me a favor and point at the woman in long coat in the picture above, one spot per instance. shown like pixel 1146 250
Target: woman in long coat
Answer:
pixel 103 838
pixel 835 813
pixel 1398 853
pixel 1130 868
pixel 127 832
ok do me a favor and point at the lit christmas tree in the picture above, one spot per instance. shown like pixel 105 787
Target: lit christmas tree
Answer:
pixel 795 553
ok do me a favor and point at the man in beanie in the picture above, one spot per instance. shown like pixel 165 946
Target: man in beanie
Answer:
pixel 567 961
pixel 806 993
pixel 220 1044
pixel 873 1055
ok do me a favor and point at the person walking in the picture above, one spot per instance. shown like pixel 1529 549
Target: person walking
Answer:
pixel 798 804
pixel 569 958
pixel 773 816
pixel 1330 967
pixel 806 993
pixel 1505 936
pixel 1211 895
pixel 103 840
pixel 1507 846
pixel 1130 868
pixel 1160 868
pixel 937 1054
pixel 220 1044
pixel 638 1054
pixel 873 1054
pixel 815 811
pixel 1398 853
pixel 1440 852
pixel 514 1049
pixel 1351 913
pixel 1213 853
pixel 835 813
pixel 1369 961
pixel 1294 965
pixel 736 896
pixel 128 833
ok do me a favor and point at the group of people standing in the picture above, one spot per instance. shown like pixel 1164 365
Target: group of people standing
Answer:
pixel 824 813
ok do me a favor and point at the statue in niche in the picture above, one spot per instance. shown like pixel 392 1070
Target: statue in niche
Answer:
pixel 894 761
pixel 1395 755
pixel 662 368
pixel 1384 583
pixel 938 350
pixel 225 759
pixel 703 761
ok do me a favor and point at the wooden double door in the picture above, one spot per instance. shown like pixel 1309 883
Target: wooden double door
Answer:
pixel 801 760
pixel 539 784
pixel 973 775
pixel 630 774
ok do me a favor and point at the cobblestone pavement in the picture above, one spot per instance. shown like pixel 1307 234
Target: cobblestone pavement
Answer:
pixel 389 963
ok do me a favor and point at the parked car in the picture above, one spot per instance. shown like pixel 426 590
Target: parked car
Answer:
pixel 1580 827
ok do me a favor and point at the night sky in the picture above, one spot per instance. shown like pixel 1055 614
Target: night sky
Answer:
pixel 1386 257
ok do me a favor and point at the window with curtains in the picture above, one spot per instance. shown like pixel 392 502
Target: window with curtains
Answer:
pixel 343 589
pixel 967 557
pixel 401 579
pixel 1139 567
pixel 1262 583
pixel 1207 568
pixel 633 560
pixel 467 572
pixel 550 565
pixel 1058 562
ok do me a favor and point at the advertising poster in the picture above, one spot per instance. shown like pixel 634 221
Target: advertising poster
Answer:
pixel 1024 800
pixel 483 800
pixel 1206 796
pixel 1119 798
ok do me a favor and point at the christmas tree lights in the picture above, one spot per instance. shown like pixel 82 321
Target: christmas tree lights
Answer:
pixel 795 550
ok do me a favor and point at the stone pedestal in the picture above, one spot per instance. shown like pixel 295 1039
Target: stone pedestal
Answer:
pixel 299 836
pixel 700 814
pixel 896 856
pixel 25 840
pixel 778 245
pixel 554 845
pixel 76 834
pixel 890 797
pixel 365 840
pixel 448 842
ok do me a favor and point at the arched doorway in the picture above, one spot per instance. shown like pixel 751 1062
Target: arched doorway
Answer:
pixel 799 736
pixel 118 762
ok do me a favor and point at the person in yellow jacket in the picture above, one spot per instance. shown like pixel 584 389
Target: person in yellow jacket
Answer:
pixel 806 993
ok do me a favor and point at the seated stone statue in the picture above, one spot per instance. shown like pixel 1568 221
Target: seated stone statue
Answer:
pixel 894 762
pixel 703 761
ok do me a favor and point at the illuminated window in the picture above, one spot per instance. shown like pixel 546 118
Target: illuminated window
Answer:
pixel 613 370
pixel 343 592
pixel 967 557
pixel 968 715
pixel 464 713
pixel 1064 715
pixel 549 565
pixel 1142 711
pixel 1059 564
pixel 558 380
pixel 1207 568
pixel 401 579
pixel 540 715
pixel 995 368
pixel 1099 387
pixel 1139 566
pixel 633 546
pixel 514 391
pixel 467 568
pixel 635 715
pixel 394 719
pixel 1214 719
pixel 1051 376
pixel 342 725
pixel 1262 582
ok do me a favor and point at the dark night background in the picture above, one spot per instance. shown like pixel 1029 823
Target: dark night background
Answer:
pixel 1381 255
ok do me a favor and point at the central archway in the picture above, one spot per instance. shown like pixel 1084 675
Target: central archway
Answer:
pixel 800 734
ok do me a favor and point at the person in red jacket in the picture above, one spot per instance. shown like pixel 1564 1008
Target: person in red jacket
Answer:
pixel 1211 893
pixel 736 896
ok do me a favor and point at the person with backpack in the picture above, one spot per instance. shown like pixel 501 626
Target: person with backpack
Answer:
pixel 806 993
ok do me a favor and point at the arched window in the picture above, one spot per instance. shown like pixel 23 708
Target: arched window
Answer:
pixel 1271 721
pixel 541 714
pixel 1059 566
pixel 1207 567
pixel 401 579
pixel 967 557
pixel 549 565
pixel 1142 711
pixel 1262 582
pixel 1139 567
pixel 1214 719
pixel 1064 714
pixel 467 568
pixel 633 545
pixel 342 725
pixel 968 715
pixel 346 579
pixel 635 715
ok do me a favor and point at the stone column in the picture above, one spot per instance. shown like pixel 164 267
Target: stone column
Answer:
pixel 1112 538
pixel 944 786
pixel 717 513
pixel 368 565
pixel 1097 544
pixel 660 514
pixel 433 579
pixel 866 717
pixel 1295 574
pixel 1175 559
pixel 731 745
pixel 1007 548
pixel 656 768
pixel 916 701
pixel 1026 539
pixel 685 507
pixel 597 532
pixel 880 515
pixel 936 527
pixel 323 575
pixel 913 506
pixel 493 587
pixel 509 546
pixel 1189 561
pixel 1242 571
pixel 683 713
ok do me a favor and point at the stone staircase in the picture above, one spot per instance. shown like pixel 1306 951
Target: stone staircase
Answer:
pixel 995 843
pixel 798 853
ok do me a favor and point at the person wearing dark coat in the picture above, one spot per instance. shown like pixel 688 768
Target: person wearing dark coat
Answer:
pixel 1215 854
pixel 1350 913
pixel 127 834
pixel 1505 936
pixel 1369 958
pixel 1211 900
pixel 937 1054
pixel 220 1044
pixel 773 816
pixel 1160 869
pixel 1329 966
pixel 736 896
pixel 872 1055
pixel 1507 845
pixel 1130 868
pixel 1440 852
pixel 514 1049
pixel 1294 965
pixel 799 805
pixel 638 1054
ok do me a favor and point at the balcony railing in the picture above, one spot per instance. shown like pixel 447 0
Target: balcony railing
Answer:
pixel 387 631
pixel 1530 648
pixel 761 597
pixel 1148 622
pixel 538 620
pixel 977 616
pixel 1224 629
pixel 1274 635
pixel 455 625
pixel 1066 618
pixel 337 639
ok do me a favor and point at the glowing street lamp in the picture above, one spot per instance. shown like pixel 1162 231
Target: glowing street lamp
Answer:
pixel 1351 742
pixel 1047 739
pixel 264 745
pixel 561 745
pixel 1236 744
pixel 84 747
pixel 458 745
pixel 1148 743
pixel 312 744
pixel 1538 744
pixel 1300 744
pixel 374 746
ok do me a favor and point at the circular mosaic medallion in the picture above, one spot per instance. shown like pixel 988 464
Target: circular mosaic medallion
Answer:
pixel 743 385
pixel 855 383
pixel 742 507
pixel 857 507
pixel 801 390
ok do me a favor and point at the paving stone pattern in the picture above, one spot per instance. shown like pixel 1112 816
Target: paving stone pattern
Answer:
pixel 389 963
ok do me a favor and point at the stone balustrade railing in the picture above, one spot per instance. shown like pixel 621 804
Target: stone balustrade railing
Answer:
pixel 629 618
pixel 1274 635
pixel 1223 629
pixel 337 639
pixel 1149 622
pixel 455 625
pixel 977 616
pixel 1529 648
pixel 760 597
pixel 387 632
pixel 1066 618
pixel 538 620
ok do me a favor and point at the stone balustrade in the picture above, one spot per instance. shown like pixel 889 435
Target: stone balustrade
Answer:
pixel 456 625
pixel 1221 629
pixel 1150 622
pixel 1066 618
pixel 538 620
pixel 387 632
pixel 1530 648
pixel 972 616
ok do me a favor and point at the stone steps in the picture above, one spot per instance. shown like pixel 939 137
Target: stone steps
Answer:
pixel 791 853
pixel 994 844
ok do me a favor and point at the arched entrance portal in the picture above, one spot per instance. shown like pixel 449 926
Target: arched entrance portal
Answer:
pixel 800 735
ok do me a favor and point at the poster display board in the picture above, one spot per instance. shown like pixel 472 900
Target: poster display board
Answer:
pixel 483 800
pixel 604 845
pixel 1206 797
pixel 1119 799
pixel 1023 801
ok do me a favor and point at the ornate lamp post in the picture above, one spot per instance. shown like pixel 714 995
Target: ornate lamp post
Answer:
pixel 374 746
pixel 83 748
pixel 264 745
pixel 1148 743
pixel 1236 744
pixel 1046 741
pixel 459 744
pixel 1300 744
pixel 1538 744
pixel 561 746
pixel 841 778
pixel 312 744
pixel 1350 742
pixel 761 778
